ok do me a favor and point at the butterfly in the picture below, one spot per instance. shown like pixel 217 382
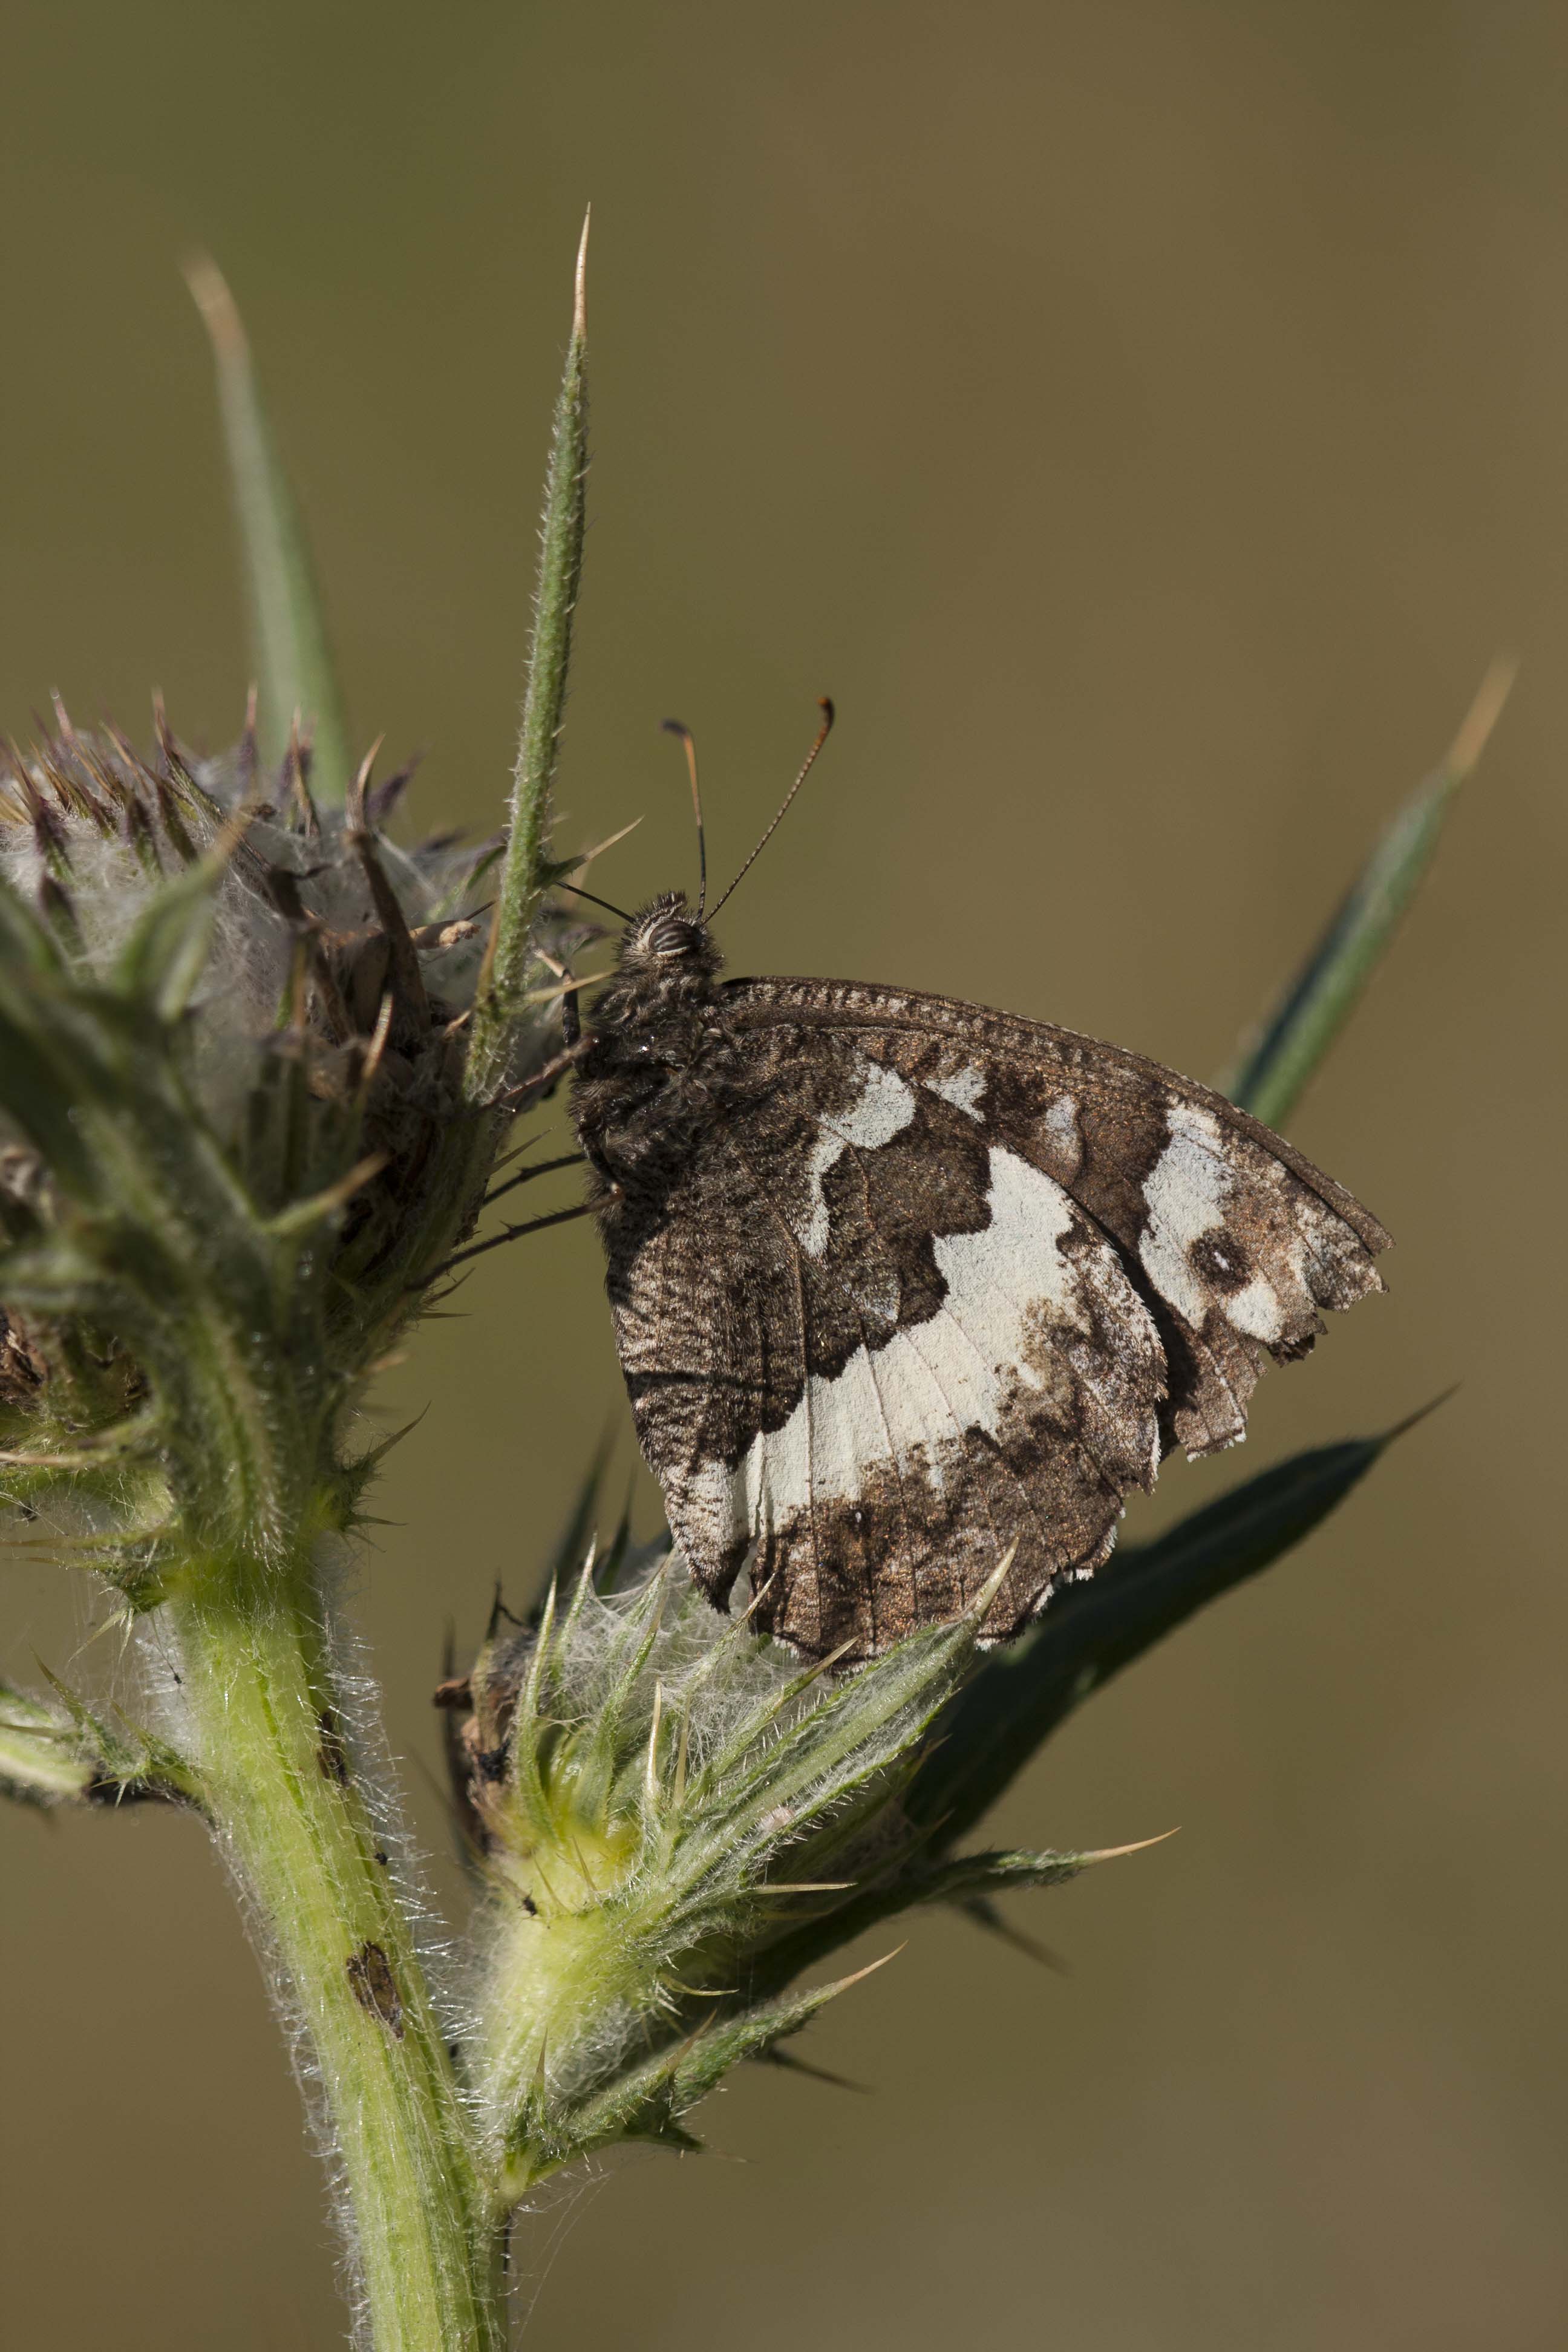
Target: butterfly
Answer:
pixel 902 1286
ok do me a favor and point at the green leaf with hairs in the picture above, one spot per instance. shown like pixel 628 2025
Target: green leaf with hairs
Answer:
pixel 295 672
pixel 42 1758
pixel 1004 1714
pixel 649 2102
pixel 1278 1060
pixel 974 1876
pixel 162 959
pixel 526 870
pixel 59 1752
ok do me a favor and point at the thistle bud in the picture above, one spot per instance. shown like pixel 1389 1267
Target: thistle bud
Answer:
pixel 674 1819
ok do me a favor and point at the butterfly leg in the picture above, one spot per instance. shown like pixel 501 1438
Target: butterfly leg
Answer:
pixel 497 1241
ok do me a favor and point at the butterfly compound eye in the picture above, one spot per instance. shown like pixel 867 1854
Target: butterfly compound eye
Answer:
pixel 672 935
pixel 666 934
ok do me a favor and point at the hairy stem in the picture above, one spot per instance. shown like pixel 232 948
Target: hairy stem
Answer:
pixel 260 1713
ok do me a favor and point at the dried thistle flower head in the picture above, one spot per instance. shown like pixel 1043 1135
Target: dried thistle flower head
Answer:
pixel 234 1022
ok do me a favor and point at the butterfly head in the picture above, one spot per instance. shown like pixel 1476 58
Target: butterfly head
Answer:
pixel 666 940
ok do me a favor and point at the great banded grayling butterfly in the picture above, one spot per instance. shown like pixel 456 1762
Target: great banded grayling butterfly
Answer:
pixel 900 1283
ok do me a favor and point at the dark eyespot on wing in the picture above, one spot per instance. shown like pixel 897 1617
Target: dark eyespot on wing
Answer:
pixel 1222 1262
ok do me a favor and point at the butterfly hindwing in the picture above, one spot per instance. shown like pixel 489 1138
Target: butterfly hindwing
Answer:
pixel 909 1353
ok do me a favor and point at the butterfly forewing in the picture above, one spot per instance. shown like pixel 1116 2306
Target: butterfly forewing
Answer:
pixel 1233 1236
pixel 899 1284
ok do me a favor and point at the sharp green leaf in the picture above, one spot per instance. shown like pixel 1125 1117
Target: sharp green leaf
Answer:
pixel 41 1757
pixel 44 1078
pixel 63 1753
pixel 162 959
pixel 1004 1713
pixel 648 2103
pixel 293 659
pixel 526 868
pixel 974 1876
pixel 28 950
pixel 567 1557
pixel 1276 1064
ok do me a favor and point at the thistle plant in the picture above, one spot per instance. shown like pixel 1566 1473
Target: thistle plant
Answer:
pixel 261 1070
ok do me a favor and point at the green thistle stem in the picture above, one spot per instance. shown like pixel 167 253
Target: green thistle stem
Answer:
pixel 258 1695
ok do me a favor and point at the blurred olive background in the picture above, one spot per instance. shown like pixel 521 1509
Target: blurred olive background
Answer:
pixel 1147 420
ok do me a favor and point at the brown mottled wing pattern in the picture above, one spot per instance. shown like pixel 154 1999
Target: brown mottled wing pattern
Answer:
pixel 940 1281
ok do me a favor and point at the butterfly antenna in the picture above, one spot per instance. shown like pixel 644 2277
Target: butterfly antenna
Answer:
pixel 822 732
pixel 688 744
pixel 619 912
